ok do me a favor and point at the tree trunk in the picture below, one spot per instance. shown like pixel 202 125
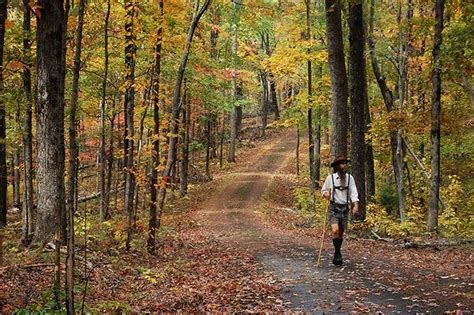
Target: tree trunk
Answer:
pixel 16 179
pixel 73 164
pixel 185 157
pixel 263 80
pixel 310 113
pixel 104 205
pixel 388 100
pixel 234 119
pixel 337 67
pixel 110 165
pixel 130 51
pixel 358 100
pixel 432 222
pixel 3 151
pixel 198 12
pixel 50 118
pixel 29 213
pixel 208 147
pixel 221 149
pixel 273 96
pixel 298 150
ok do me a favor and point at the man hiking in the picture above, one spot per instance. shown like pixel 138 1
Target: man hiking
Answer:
pixel 340 189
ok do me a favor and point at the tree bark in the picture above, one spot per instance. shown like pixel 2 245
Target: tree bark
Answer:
pixel 233 118
pixel 310 112
pixel 264 99
pixel 388 100
pixel 198 12
pixel 432 221
pixel 208 146
pixel 273 96
pixel 73 164
pixel 104 205
pixel 185 155
pixel 50 67
pixel 16 178
pixel 3 151
pixel 130 51
pixel 29 213
pixel 337 69
pixel 358 100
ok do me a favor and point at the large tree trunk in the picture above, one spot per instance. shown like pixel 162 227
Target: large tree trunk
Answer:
pixel 104 205
pixel 29 213
pixel 358 100
pixel 130 51
pixel 50 118
pixel 337 69
pixel 3 151
pixel 432 222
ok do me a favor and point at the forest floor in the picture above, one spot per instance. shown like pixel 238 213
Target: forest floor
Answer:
pixel 236 244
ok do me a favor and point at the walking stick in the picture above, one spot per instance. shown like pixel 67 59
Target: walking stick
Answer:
pixel 324 234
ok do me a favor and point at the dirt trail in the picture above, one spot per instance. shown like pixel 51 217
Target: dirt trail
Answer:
pixel 231 217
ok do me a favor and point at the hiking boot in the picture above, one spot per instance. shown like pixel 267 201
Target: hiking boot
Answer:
pixel 337 260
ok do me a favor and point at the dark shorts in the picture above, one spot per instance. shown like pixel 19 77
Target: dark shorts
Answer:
pixel 338 214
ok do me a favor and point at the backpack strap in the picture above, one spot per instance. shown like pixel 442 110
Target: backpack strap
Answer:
pixel 348 189
pixel 333 188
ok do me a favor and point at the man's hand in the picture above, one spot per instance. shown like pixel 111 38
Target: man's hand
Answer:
pixel 355 210
pixel 327 195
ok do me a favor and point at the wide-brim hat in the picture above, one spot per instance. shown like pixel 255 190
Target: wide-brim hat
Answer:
pixel 338 160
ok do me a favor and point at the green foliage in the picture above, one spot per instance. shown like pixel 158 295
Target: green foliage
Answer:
pixel 388 198
pixel 48 305
pixel 457 218
pixel 303 198
pixel 114 307
pixel 196 146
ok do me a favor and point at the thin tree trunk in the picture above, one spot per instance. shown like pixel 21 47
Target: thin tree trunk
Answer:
pixel 29 213
pixel 298 150
pixel 432 221
pixel 389 104
pixel 104 205
pixel 16 179
pixel 130 51
pixel 234 119
pixel 221 150
pixel 140 148
pixel 310 113
pixel 3 151
pixel 153 222
pixel 337 67
pixel 110 165
pixel 264 99
pixel 185 157
pixel 176 107
pixel 73 164
pixel 208 147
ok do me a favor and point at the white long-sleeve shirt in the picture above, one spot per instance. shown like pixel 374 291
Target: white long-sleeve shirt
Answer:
pixel 340 196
